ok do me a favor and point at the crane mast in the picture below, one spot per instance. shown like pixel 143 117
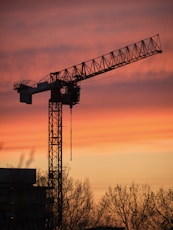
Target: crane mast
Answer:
pixel 64 89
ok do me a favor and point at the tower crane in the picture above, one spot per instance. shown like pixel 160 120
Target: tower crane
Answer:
pixel 64 90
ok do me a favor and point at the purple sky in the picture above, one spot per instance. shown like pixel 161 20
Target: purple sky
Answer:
pixel 126 112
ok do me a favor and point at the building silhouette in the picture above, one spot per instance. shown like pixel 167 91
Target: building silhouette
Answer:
pixel 22 203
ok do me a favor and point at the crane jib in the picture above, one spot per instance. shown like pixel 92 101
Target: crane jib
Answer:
pixel 110 61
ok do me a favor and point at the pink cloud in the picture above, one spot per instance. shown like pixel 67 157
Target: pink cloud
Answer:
pixel 64 34
pixel 122 109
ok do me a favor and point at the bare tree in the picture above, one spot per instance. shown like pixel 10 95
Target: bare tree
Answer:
pixel 135 207
pixel 78 203
pixel 131 205
pixel 163 216
pixel 103 217
pixel 100 213
pixel 41 178
pixel 77 200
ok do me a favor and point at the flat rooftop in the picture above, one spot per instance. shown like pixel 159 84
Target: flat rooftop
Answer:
pixel 17 176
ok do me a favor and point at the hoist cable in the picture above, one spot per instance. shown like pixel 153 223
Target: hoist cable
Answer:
pixel 71 134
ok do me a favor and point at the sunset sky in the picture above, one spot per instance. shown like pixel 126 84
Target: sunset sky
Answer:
pixel 123 126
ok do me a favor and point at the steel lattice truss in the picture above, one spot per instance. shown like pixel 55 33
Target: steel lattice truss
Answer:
pixel 110 61
pixel 55 160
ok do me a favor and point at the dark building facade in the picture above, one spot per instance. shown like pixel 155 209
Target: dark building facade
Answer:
pixel 22 205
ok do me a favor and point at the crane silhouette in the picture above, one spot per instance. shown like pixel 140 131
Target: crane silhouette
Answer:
pixel 64 89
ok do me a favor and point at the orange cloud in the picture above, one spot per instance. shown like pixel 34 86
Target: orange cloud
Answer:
pixel 121 113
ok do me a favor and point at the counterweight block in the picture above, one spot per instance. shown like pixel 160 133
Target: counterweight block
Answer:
pixel 67 95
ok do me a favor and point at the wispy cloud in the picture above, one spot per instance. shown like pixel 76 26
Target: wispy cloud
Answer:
pixel 122 108
pixel 33 44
